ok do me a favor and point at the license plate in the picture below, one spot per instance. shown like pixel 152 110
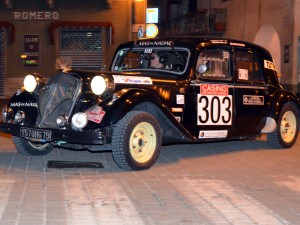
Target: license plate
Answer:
pixel 35 134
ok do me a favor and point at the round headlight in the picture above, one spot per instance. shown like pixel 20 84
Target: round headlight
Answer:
pixel 98 85
pixel 79 120
pixel 30 83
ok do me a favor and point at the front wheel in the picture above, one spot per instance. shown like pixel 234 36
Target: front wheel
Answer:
pixel 27 147
pixel 136 141
pixel 287 129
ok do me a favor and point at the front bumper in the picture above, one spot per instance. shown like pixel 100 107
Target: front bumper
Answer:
pixel 69 136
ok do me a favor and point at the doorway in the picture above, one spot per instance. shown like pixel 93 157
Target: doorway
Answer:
pixel 268 38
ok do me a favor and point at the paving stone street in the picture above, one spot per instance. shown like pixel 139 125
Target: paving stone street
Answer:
pixel 238 182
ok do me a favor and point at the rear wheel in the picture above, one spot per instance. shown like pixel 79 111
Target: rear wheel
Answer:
pixel 136 141
pixel 27 147
pixel 287 129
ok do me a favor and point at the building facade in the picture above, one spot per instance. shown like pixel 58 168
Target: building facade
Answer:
pixel 34 33
pixel 271 24
pixel 274 24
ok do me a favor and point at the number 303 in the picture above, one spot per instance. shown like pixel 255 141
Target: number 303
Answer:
pixel 214 110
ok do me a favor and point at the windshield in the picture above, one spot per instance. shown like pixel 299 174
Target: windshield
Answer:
pixel 152 59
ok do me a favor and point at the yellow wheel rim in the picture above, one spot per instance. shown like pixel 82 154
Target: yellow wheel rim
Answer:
pixel 288 126
pixel 142 142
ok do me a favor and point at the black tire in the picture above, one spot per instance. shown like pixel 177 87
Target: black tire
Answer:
pixel 136 141
pixel 286 132
pixel 27 147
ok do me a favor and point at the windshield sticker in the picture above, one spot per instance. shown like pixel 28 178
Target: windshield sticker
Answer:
pixel 237 44
pixel 269 65
pixel 243 74
pixel 95 114
pixel 148 50
pixel 213 134
pixel 180 99
pixel 155 43
pixel 225 55
pixel 214 89
pixel 118 79
pixel 23 104
pixel 219 41
pixel 253 100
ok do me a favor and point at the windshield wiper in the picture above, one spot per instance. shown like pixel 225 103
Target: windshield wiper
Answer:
pixel 176 53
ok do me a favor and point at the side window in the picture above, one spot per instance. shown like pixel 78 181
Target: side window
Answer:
pixel 213 64
pixel 132 60
pixel 247 68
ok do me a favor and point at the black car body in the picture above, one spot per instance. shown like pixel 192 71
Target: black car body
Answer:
pixel 204 89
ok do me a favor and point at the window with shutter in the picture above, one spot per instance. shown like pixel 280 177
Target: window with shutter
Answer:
pixel 83 46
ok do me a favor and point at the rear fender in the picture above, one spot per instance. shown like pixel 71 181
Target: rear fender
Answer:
pixel 279 99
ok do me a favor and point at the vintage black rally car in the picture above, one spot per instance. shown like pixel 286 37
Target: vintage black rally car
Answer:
pixel 158 91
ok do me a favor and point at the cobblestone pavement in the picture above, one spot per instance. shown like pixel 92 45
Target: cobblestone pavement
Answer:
pixel 238 183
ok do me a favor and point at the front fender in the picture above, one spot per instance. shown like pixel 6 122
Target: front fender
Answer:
pixel 26 102
pixel 141 100
pixel 118 108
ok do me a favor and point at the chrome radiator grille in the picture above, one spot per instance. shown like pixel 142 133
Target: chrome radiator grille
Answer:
pixel 57 98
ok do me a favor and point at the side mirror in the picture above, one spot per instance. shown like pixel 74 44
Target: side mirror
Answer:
pixel 202 68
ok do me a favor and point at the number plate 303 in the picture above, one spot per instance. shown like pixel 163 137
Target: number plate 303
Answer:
pixel 214 110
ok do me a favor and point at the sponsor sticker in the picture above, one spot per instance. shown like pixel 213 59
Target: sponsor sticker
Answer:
pixel 23 104
pixel 132 80
pixel 269 65
pixel 253 100
pixel 243 74
pixel 95 114
pixel 180 99
pixel 214 89
pixel 178 118
pixel 212 134
pixel 177 110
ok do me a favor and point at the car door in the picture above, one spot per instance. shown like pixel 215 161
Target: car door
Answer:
pixel 250 93
pixel 210 103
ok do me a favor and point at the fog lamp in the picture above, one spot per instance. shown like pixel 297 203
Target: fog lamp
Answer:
pixel 79 120
pixel 7 113
pixel 61 121
pixel 19 117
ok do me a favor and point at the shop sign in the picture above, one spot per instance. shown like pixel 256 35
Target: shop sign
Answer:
pixel 152 15
pixel 31 51
pixel 35 15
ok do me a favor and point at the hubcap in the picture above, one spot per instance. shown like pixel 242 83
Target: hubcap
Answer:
pixel 142 142
pixel 288 126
